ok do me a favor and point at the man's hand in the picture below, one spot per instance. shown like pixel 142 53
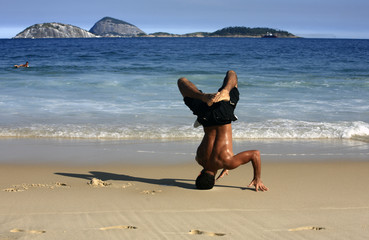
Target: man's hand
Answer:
pixel 259 185
pixel 224 172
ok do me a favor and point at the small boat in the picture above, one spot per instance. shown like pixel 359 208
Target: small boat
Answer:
pixel 269 35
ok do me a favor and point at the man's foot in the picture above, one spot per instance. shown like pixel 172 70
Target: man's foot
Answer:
pixel 223 95
pixel 208 98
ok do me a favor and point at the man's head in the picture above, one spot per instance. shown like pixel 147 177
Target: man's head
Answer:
pixel 205 180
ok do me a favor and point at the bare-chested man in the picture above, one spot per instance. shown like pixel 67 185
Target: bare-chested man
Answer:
pixel 215 112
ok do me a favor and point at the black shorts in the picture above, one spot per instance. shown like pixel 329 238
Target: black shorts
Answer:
pixel 219 113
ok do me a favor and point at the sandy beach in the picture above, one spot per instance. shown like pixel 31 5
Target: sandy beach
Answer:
pixel 122 200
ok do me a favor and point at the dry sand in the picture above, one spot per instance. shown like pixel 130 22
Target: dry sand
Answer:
pixel 307 200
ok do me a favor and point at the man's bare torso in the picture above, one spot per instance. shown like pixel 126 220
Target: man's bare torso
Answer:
pixel 215 150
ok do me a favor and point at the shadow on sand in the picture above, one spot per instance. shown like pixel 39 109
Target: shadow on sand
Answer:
pixel 105 176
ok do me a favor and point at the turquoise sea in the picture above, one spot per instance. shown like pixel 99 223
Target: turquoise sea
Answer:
pixel 125 88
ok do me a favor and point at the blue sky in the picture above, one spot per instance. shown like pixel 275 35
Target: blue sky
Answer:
pixel 306 18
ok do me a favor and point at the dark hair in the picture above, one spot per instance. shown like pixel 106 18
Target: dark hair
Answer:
pixel 205 181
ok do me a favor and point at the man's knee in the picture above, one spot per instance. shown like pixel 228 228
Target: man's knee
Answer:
pixel 231 72
pixel 182 81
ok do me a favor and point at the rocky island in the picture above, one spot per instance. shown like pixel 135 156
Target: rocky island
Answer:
pixel 54 30
pixel 111 27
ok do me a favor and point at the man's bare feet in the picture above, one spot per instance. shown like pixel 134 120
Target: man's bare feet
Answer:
pixel 211 98
pixel 222 96
pixel 208 98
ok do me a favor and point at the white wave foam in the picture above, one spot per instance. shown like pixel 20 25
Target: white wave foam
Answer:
pixel 290 129
pixel 272 129
pixel 100 132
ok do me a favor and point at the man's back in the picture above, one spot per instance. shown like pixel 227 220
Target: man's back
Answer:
pixel 215 150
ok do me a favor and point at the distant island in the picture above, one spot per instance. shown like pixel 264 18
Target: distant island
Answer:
pixel 232 32
pixel 54 30
pixel 111 27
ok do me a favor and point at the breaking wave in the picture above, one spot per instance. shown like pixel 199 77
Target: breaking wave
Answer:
pixel 271 129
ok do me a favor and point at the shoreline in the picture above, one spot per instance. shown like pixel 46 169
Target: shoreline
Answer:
pixel 142 152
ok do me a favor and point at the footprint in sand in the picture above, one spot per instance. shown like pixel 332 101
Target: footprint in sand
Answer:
pixel 127 185
pixel 17 230
pixel 151 192
pixel 26 186
pixel 98 183
pixel 212 234
pixel 117 227
pixel 13 189
pixel 306 228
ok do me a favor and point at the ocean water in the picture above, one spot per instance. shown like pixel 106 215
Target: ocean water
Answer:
pixel 126 88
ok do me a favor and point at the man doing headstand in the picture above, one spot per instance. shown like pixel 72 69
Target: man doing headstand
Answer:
pixel 215 112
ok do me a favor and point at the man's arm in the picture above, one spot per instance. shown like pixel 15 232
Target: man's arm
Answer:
pixel 243 158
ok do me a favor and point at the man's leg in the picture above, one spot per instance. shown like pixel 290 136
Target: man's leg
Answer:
pixel 188 89
pixel 230 82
